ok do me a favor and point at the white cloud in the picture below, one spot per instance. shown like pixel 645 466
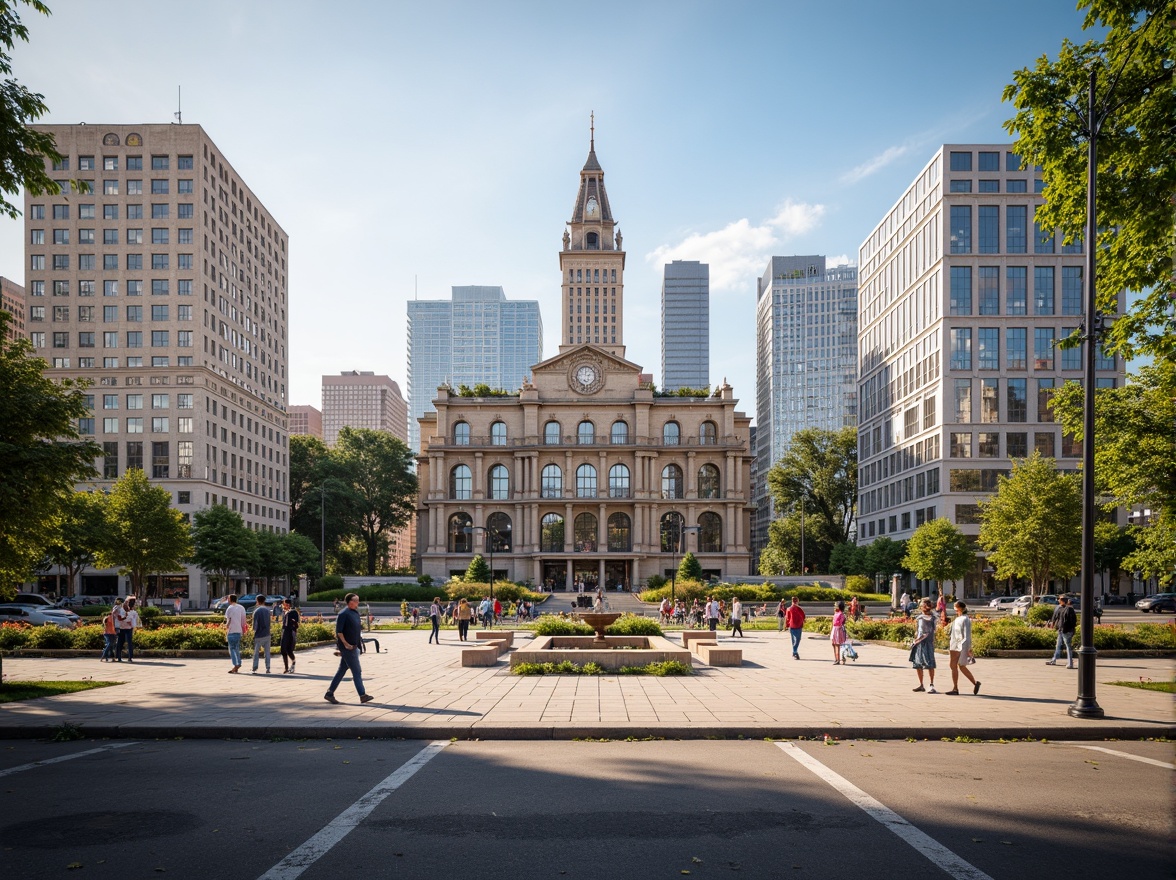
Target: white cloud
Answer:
pixel 839 260
pixel 739 250
pixel 875 163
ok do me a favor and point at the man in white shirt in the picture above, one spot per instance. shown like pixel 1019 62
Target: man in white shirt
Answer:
pixel 736 618
pixel 712 613
pixel 235 620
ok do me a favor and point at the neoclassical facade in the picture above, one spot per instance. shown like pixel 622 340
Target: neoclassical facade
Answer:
pixel 585 474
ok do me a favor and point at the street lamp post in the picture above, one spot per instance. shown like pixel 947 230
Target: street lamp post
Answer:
pixel 680 538
pixel 491 534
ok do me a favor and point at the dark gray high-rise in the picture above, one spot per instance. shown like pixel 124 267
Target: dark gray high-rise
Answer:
pixel 685 315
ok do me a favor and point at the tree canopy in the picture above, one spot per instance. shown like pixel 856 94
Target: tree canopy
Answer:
pixel 478 571
pixel 79 530
pixel 1136 159
pixel 1032 526
pixel 146 534
pixel 938 551
pixel 690 569
pixel 379 468
pixel 42 455
pixel 817 474
pixel 222 543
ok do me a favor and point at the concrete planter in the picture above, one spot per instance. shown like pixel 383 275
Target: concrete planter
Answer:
pixel 635 651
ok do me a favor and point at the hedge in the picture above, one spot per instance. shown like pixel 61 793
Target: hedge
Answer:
pixel 453 590
pixel 756 593
pixel 187 637
pixel 625 625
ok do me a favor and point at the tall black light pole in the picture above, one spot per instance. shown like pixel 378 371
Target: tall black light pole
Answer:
pixel 1086 706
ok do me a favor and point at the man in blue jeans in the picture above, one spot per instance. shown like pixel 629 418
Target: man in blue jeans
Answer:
pixel 235 625
pixel 1065 621
pixel 348 632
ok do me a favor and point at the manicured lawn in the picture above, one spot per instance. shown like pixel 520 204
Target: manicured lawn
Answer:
pixel 1166 687
pixel 30 690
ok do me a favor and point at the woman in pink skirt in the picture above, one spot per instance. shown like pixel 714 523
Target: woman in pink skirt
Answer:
pixel 837 635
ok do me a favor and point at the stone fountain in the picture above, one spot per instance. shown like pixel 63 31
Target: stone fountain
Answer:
pixel 599 621
pixel 610 652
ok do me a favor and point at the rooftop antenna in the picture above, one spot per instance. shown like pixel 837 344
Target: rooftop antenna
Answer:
pixel 179 114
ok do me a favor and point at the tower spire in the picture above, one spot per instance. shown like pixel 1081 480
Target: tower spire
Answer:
pixel 592 131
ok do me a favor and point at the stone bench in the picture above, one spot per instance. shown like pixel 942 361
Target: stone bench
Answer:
pixel 712 655
pixel 505 635
pixel 483 655
pixel 691 637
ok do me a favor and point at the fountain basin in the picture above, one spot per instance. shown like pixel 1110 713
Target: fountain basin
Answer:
pixel 615 652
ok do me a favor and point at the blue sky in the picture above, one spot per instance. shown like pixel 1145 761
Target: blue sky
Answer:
pixel 408 147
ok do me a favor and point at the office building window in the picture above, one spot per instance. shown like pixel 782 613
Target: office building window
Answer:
pixel 499 483
pixel 1017 186
pixel 1043 290
pixel 620 432
pixel 960 186
pixel 671 479
pixel 461 434
pixel 989 401
pixel 1043 443
pixel 585 433
pixel 1043 348
pixel 1016 279
pixel 1043 239
pixel 551 481
pixel 585 481
pixel 989 186
pixel 961 229
pixel 1015 402
pixel 1045 390
pixel 460 483
pixel 671 434
pixel 961 348
pixel 988 444
pixel 1102 359
pixel 159 339
pixel 551 434
pixel 618 481
pixel 708 481
pixel 989 229
pixel 1016 356
pixel 961 444
pixel 1016 444
pixel 960 161
pixel 988 348
pixel 620 533
pixel 989 161
pixel 989 289
pixel 961 290
pixel 551 533
pixel 110 460
pixel 1071 290
pixel 1016 233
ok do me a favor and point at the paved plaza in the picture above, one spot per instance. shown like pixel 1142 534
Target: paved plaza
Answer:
pixel 423 691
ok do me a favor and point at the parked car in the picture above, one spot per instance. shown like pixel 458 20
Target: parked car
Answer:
pixel 248 601
pixel 39 615
pixel 1157 603
pixel 1021 605
pixel 31 599
pixel 1003 603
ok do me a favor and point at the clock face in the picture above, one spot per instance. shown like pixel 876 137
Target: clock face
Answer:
pixel 586 375
pixel 586 378
pixel 592 209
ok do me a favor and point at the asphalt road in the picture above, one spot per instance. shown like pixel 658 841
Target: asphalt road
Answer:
pixel 358 809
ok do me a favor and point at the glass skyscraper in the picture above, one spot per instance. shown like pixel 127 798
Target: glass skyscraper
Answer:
pixel 477 336
pixel 685 317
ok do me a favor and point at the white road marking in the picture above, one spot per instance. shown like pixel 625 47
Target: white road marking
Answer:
pixel 927 846
pixel 60 758
pixel 310 852
pixel 1129 756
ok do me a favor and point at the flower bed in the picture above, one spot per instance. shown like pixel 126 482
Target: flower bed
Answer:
pixel 180 637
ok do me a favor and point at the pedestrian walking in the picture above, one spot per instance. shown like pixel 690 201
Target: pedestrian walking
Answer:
pixel 712 613
pixel 923 649
pixel 464 614
pixel 1065 621
pixel 904 603
pixel 235 625
pixel 736 618
pixel 782 614
pixel 435 620
pixel 179 604
pixel 960 650
pixel 794 620
pixel 262 617
pixel 941 608
pixel 855 609
pixel 290 621
pixel 127 623
pixel 486 612
pixel 348 632
pixel 109 632
pixel 837 635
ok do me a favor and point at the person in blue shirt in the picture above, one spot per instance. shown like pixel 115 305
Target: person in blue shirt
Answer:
pixel 348 632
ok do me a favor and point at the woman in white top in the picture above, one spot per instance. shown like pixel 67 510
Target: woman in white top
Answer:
pixel 960 644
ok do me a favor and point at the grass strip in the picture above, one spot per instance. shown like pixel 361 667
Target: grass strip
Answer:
pixel 12 691
pixel 1164 687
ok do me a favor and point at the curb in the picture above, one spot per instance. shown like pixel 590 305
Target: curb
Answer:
pixel 1095 732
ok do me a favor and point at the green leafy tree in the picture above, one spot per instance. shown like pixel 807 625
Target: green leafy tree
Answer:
pixel 690 569
pixel 23 150
pixel 301 557
pixel 818 474
pixel 1032 526
pixel 79 531
pixel 885 556
pixel 284 556
pixel 380 468
pixel 1112 545
pixel 847 558
pixel 478 571
pixel 782 555
pixel 1154 555
pixel 146 534
pixel 42 455
pixel 938 551
pixel 1135 443
pixel 1136 158
pixel 223 544
pixel 323 502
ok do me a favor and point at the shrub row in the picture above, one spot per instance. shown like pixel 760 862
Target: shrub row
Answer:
pixel 567 667
pixel 454 590
pixel 188 637
pixel 626 625
pixel 749 593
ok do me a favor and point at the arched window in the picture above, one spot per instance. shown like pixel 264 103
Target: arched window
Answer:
pixel 551 433
pixel 710 533
pixel 460 541
pixel 586 433
pixel 551 533
pixel 585 481
pixel 671 434
pixel 620 432
pixel 618 481
pixel 672 481
pixel 498 434
pixel 708 434
pixel 585 533
pixel 499 482
pixel 708 481
pixel 671 532
pixel 620 532
pixel 592 241
pixel 461 434
pixel 551 485
pixel 498 533
pixel 461 484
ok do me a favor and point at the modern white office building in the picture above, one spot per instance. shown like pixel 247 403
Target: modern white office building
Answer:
pixel 806 360
pixel 963 301
pixel 685 325
pixel 165 285
pixel 478 336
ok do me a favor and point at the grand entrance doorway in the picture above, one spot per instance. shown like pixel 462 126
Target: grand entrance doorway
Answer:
pixel 555 575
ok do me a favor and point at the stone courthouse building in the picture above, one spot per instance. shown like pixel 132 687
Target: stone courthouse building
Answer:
pixel 586 475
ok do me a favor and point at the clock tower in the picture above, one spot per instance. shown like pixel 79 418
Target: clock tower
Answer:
pixel 592 265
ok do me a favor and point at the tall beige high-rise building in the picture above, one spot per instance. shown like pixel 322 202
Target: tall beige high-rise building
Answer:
pixel 306 420
pixel 356 399
pixel 165 284
pixel 12 300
